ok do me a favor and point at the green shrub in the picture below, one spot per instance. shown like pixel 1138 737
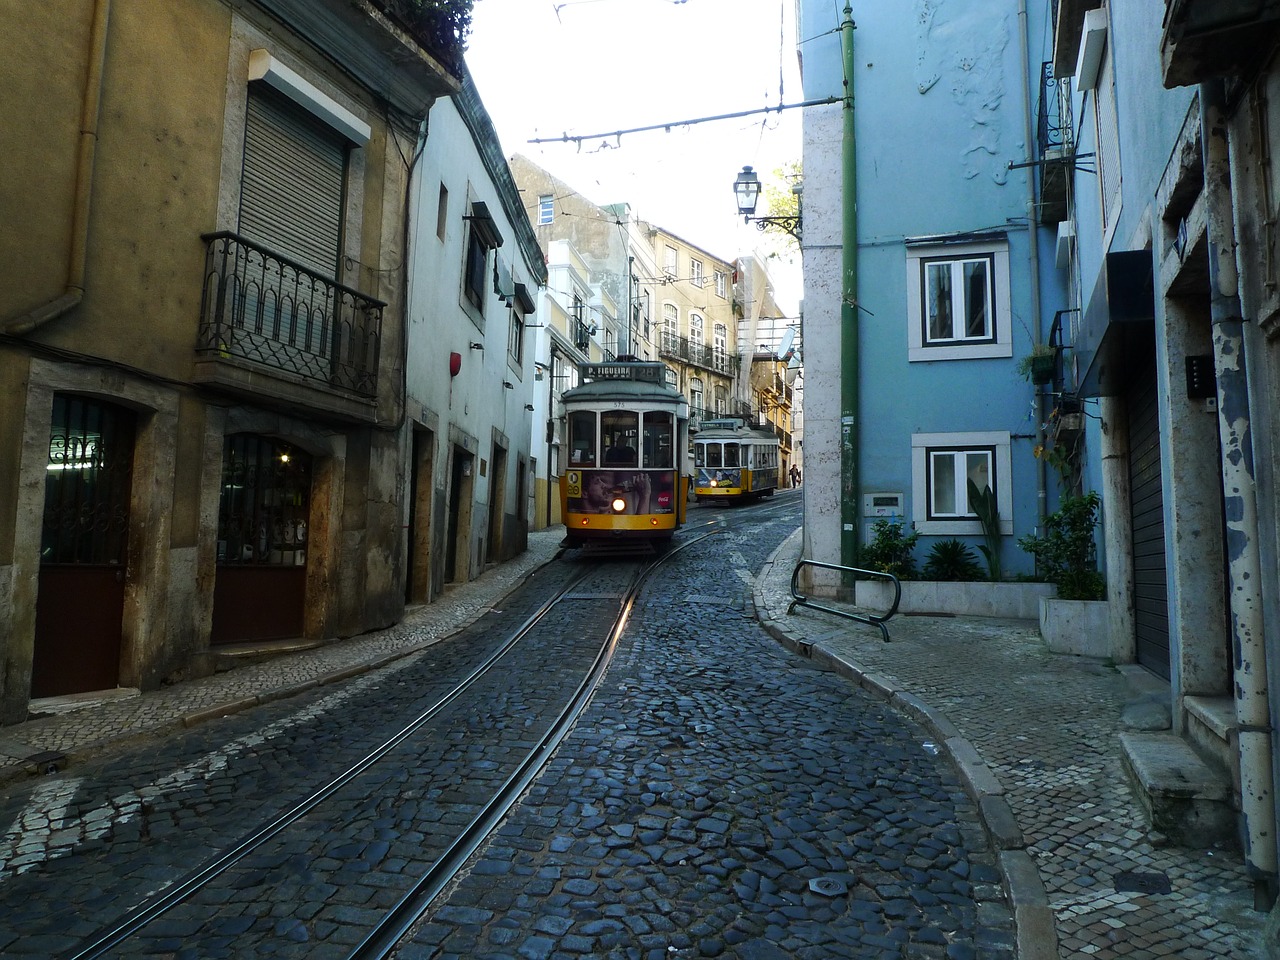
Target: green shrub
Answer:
pixel 983 503
pixel 951 560
pixel 889 550
pixel 1065 553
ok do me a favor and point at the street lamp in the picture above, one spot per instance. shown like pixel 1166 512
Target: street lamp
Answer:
pixel 747 191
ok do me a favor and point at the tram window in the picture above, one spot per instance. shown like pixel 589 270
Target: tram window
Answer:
pixel 619 433
pixel 731 455
pixel 657 439
pixel 714 458
pixel 582 438
pixel 699 454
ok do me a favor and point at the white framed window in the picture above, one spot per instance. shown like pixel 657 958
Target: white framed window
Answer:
pixel 958 304
pixel 942 464
pixel 957 300
pixel 720 284
pixel 695 272
pixel 696 397
pixel 546 209
pixel 720 347
pixel 697 331
pixel 670 261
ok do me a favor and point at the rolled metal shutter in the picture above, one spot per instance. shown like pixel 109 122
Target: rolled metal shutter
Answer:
pixel 1150 583
pixel 291 193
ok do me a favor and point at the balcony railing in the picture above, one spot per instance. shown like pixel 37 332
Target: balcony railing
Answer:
pixel 1055 144
pixel 699 354
pixel 263 308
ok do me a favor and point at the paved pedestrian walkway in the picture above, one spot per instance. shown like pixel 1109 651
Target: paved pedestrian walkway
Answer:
pixel 1034 735
pixel 1036 738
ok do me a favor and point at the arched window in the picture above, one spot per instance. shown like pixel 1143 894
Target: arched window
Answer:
pixel 670 328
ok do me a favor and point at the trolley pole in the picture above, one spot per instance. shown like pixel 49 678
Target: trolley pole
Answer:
pixel 849 380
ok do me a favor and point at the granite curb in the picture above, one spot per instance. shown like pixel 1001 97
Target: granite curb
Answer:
pixel 1033 917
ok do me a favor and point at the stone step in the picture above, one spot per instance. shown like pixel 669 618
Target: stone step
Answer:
pixel 1185 798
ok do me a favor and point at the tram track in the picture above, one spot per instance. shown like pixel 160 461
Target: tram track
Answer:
pixel 234 866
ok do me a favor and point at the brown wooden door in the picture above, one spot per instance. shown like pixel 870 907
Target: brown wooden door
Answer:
pixel 263 515
pixel 83 550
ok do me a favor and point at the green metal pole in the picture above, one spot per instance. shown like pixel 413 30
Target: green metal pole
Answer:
pixel 849 450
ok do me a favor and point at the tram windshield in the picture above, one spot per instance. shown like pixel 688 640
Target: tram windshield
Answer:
pixel 658 445
pixel 619 433
pixel 582 438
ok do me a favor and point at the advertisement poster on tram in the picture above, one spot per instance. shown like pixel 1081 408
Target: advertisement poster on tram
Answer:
pixel 640 492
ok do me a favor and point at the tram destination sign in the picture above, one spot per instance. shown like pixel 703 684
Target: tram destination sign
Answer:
pixel 644 372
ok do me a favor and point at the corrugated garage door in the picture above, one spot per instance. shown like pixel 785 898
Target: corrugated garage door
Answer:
pixel 1150 583
pixel 291 193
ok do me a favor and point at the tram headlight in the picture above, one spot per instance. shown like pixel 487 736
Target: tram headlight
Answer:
pixel 619 505
pixel 714 482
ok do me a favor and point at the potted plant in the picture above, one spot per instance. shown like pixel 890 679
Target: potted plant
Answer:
pixel 1037 366
pixel 1076 620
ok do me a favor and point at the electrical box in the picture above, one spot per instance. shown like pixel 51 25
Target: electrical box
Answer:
pixel 882 505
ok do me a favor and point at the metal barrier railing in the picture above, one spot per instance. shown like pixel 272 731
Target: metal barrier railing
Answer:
pixel 876 620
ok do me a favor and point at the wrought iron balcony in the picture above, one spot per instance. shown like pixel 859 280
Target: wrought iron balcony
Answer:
pixel 1055 145
pixel 699 354
pixel 265 309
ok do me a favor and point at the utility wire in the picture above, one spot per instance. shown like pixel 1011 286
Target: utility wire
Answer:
pixel 579 138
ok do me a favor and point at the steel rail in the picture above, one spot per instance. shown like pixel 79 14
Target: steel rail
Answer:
pixel 383 939
pixel 147 911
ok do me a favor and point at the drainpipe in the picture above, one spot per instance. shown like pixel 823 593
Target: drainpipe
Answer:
pixel 849 448
pixel 89 111
pixel 1240 500
pixel 1033 255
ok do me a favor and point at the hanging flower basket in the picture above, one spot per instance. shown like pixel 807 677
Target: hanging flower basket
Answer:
pixel 1042 368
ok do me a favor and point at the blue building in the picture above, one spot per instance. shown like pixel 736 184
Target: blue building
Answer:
pixel 1103 175
pixel 955 277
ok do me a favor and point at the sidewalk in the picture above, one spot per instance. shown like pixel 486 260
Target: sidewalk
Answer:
pixel 82 726
pixel 1035 737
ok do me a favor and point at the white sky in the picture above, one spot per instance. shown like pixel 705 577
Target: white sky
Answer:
pixel 582 67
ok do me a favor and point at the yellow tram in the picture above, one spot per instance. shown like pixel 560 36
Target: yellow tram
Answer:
pixel 734 461
pixel 626 477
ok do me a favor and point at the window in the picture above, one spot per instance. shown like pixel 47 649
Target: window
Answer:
pixel 942 464
pixel 721 347
pixel 481 238
pixel 619 436
pixel 515 336
pixel 670 262
pixel 1107 128
pixel 473 279
pixel 582 438
pixel 720 284
pixel 958 305
pixel 442 212
pixel 659 445
pixel 546 209
pixel 292 186
pixel 670 328
pixel 949 474
pixel 697 334
pixel 696 397
pixel 957 300
pixel 695 272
